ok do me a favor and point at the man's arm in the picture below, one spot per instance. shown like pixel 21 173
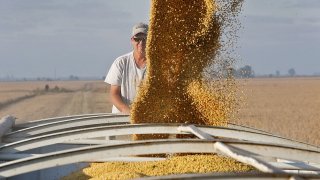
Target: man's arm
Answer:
pixel 115 95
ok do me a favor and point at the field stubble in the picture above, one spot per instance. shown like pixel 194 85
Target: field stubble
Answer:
pixel 285 106
pixel 76 97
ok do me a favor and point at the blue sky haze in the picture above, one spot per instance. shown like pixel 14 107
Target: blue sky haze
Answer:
pixel 41 38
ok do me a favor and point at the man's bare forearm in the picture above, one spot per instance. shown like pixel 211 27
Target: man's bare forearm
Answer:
pixel 115 95
pixel 118 102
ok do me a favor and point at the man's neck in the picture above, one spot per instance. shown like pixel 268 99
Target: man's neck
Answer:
pixel 140 59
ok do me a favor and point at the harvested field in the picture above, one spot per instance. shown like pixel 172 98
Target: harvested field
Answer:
pixel 286 106
pixel 73 97
pixel 11 91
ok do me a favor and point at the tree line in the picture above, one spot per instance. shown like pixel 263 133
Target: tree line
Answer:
pixel 248 72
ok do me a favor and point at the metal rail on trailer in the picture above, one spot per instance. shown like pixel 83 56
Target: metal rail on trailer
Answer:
pixel 38 145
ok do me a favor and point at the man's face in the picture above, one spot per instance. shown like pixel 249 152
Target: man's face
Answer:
pixel 139 43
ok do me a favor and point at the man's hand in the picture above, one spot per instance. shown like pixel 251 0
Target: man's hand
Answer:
pixel 126 110
pixel 115 95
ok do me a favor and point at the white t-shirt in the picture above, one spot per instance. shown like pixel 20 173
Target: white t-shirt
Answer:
pixel 125 73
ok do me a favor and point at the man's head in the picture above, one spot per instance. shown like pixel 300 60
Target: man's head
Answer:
pixel 139 37
pixel 140 28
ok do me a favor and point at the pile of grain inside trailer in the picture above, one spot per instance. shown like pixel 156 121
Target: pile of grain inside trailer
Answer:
pixel 53 148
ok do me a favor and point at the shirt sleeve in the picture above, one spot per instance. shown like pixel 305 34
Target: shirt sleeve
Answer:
pixel 114 76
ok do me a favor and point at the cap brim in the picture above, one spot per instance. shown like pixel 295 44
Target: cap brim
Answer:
pixel 140 30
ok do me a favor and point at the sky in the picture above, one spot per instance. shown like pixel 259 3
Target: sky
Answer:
pixel 59 38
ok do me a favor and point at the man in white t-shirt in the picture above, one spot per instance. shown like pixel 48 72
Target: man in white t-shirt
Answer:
pixel 127 71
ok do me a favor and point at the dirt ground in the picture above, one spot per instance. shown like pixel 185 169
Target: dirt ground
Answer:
pixel 79 97
pixel 285 106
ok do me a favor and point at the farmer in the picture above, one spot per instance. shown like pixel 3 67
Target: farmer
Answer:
pixel 127 71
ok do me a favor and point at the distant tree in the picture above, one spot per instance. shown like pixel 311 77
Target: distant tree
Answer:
pixel 231 72
pixel 72 77
pixel 56 89
pixel 277 73
pixel 246 72
pixel 292 72
pixel 46 88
